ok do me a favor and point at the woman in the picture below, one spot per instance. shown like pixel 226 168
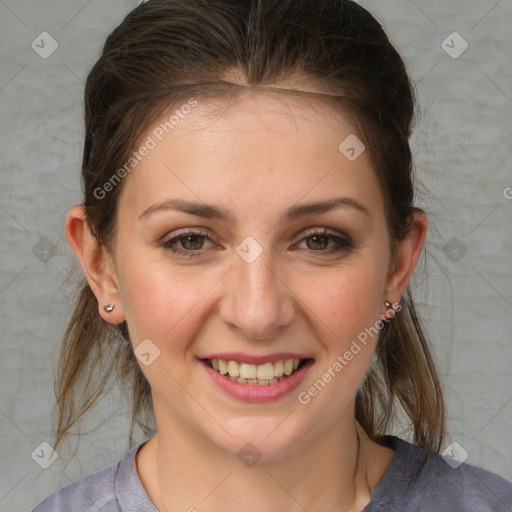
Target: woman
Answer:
pixel 247 235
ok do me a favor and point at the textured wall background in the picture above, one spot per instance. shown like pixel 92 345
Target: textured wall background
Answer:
pixel 463 286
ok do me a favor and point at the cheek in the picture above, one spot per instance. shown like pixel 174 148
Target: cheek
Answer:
pixel 162 302
pixel 344 301
pixel 344 307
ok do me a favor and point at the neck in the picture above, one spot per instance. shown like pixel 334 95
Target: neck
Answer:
pixel 189 472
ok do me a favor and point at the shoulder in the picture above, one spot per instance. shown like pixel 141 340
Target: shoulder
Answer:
pixel 91 493
pixel 419 480
pixel 98 491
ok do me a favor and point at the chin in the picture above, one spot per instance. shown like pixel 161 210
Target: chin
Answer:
pixel 253 439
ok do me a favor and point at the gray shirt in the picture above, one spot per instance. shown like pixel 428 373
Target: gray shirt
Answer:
pixel 414 481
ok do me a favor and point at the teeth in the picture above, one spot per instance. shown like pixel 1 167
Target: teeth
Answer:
pixel 240 380
pixel 234 369
pixel 288 366
pixel 223 366
pixel 255 374
pixel 247 371
pixel 265 371
pixel 278 368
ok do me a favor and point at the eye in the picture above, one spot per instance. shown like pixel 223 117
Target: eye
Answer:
pixel 318 241
pixel 191 241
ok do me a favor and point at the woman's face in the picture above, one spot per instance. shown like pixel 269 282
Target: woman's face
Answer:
pixel 263 280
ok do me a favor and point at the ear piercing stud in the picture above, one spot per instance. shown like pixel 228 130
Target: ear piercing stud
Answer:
pixel 110 307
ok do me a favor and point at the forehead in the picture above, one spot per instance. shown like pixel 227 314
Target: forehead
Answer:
pixel 258 144
pixel 271 109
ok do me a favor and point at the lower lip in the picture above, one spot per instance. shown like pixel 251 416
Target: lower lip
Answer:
pixel 258 392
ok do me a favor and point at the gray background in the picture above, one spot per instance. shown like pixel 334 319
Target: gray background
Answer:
pixel 462 287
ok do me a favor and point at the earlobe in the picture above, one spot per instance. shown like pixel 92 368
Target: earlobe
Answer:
pixel 408 253
pixel 96 263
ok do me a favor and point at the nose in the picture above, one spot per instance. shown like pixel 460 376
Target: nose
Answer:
pixel 257 301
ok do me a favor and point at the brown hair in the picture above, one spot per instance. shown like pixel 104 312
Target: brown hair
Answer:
pixel 167 51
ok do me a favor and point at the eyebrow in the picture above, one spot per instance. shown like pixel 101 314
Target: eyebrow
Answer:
pixel 295 212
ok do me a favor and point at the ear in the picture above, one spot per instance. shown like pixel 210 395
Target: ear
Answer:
pixel 97 264
pixel 407 255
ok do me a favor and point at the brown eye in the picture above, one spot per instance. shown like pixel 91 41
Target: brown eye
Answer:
pixel 324 242
pixel 192 242
pixel 317 242
pixel 187 243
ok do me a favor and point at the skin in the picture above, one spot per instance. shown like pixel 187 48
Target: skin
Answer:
pixel 256 158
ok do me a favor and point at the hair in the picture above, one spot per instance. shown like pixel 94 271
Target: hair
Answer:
pixel 167 51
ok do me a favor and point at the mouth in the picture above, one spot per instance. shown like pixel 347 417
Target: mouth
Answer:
pixel 257 374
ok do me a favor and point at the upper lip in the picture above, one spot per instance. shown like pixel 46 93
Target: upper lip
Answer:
pixel 254 359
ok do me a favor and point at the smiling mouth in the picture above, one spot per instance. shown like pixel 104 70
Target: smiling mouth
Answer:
pixel 256 374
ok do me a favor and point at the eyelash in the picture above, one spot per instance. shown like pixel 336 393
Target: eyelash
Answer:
pixel 344 242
